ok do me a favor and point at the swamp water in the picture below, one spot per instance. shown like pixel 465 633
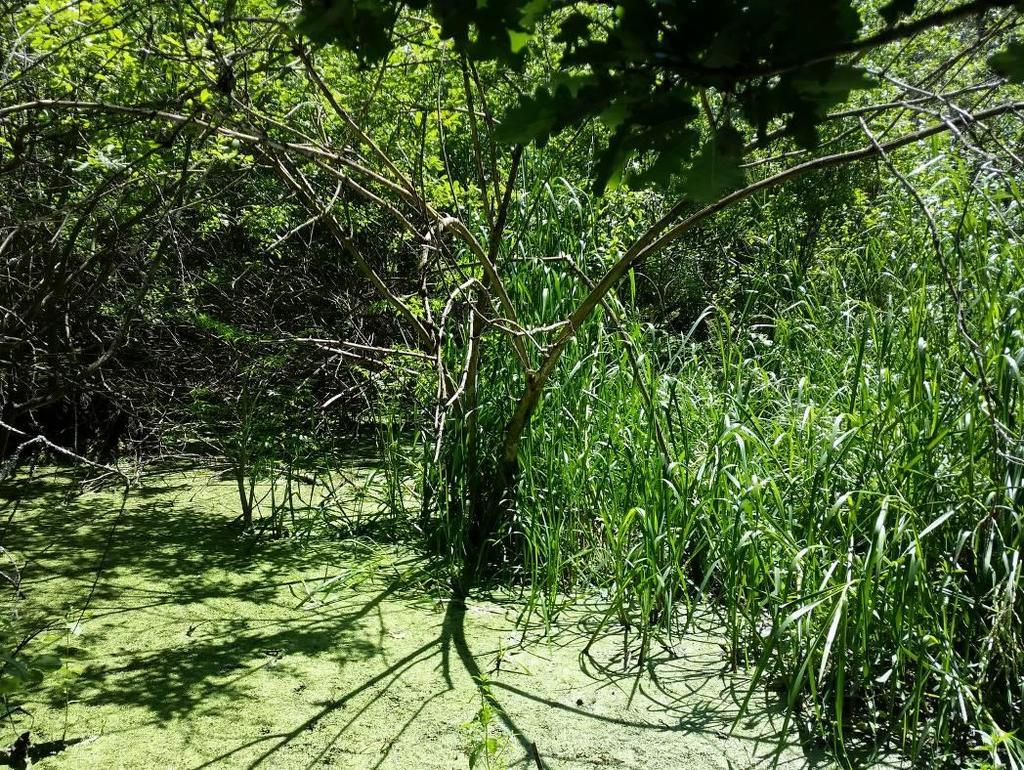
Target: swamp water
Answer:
pixel 187 645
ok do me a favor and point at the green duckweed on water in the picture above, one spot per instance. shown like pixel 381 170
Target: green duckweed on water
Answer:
pixel 187 645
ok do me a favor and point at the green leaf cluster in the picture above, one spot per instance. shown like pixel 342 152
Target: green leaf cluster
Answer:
pixel 640 66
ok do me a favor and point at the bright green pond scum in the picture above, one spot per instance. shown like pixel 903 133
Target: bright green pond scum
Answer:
pixel 187 645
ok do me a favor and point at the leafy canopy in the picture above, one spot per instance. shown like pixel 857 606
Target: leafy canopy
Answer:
pixel 642 66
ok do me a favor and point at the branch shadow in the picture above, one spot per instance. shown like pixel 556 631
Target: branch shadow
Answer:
pixel 164 555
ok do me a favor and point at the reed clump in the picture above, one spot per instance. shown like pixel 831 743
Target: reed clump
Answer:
pixel 826 457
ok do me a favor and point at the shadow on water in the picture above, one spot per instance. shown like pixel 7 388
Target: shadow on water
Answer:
pixel 158 554
pixel 88 555
pixel 452 637
pixel 36 752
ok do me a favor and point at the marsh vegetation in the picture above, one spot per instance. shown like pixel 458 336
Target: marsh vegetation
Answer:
pixel 524 384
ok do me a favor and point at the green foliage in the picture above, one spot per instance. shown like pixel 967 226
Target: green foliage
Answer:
pixel 827 455
pixel 20 673
pixel 832 485
pixel 488 745
pixel 485 30
pixel 1010 62
pixel 894 9
pixel 640 65
pixel 224 331
pixel 716 168
pixel 357 24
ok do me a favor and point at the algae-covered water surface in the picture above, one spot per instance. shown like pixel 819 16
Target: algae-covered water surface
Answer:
pixel 185 644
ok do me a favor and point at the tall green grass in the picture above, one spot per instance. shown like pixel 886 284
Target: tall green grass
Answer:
pixel 841 483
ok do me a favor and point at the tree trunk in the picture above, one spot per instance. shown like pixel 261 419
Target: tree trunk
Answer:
pixel 243 497
pixel 490 510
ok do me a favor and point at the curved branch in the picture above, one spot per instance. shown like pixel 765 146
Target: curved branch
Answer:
pixel 663 233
